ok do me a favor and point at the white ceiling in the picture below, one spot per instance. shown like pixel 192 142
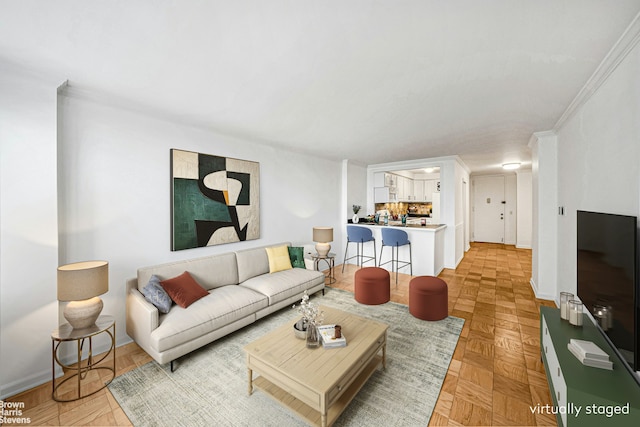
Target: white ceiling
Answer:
pixel 371 81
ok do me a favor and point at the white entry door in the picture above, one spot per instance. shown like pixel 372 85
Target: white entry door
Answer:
pixel 489 209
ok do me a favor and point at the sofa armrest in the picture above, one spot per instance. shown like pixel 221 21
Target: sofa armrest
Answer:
pixel 309 264
pixel 307 251
pixel 142 316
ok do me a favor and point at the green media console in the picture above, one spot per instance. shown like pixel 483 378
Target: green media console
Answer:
pixel 582 395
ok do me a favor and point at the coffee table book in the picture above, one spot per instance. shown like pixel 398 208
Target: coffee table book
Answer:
pixel 327 333
pixel 594 363
pixel 588 349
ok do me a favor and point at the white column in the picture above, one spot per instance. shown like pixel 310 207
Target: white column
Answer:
pixel 544 151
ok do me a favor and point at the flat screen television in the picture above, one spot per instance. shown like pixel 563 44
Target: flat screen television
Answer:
pixel 607 267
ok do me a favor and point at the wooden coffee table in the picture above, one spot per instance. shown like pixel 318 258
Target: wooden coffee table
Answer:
pixel 317 384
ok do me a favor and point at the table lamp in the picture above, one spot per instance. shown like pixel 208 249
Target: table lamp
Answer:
pixel 81 283
pixel 322 236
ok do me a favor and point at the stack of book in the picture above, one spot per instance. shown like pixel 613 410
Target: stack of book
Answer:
pixel 327 334
pixel 589 354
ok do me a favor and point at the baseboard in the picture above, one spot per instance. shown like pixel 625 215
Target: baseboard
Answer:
pixel 27 383
pixel 523 246
pixel 538 294
pixel 42 377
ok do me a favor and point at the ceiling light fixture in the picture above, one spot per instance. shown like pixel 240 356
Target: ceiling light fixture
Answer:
pixel 429 170
pixel 510 166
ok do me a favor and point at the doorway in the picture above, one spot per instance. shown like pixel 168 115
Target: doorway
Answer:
pixel 489 203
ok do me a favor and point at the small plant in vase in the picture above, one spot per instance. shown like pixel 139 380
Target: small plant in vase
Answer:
pixel 356 209
pixel 312 316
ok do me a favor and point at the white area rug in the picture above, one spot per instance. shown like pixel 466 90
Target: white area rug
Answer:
pixel 209 386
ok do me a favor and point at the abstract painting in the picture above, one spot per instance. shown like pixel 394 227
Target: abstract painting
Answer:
pixel 215 200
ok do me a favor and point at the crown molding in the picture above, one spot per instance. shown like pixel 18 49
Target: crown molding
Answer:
pixel 616 55
pixel 537 136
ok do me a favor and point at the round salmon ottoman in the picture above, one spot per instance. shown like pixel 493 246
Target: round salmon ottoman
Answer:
pixel 428 298
pixel 372 286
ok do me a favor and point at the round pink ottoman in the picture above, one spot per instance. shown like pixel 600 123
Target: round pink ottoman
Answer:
pixel 428 298
pixel 372 286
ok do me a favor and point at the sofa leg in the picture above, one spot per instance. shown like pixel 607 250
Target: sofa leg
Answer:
pixel 322 291
pixel 172 368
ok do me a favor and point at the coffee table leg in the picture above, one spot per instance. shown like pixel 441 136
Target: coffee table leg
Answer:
pixel 250 382
pixel 324 419
pixel 384 356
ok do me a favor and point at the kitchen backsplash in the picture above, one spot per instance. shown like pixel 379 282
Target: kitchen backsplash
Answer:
pixel 400 208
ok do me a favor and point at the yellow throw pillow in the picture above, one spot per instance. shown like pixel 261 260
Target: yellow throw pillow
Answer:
pixel 278 259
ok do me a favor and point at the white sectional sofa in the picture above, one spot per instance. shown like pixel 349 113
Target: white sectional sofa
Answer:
pixel 241 291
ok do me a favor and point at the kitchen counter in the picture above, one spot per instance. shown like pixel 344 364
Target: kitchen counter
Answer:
pixel 400 225
pixel 427 247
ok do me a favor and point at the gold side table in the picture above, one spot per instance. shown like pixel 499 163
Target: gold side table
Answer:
pixel 104 324
pixel 330 260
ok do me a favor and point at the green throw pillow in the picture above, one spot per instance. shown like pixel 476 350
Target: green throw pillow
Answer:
pixel 296 254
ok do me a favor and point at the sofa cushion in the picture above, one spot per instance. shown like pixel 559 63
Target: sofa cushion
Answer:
pixel 296 255
pixel 278 259
pixel 210 272
pixel 284 284
pixel 221 307
pixel 253 262
pixel 183 289
pixel 156 295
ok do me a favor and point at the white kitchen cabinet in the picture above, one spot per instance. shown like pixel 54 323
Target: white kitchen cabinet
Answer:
pixel 405 189
pixel 383 195
pixel 400 187
pixel 385 187
pixel 378 179
pixel 418 190
pixel 390 180
pixel 402 190
pixel 429 187
pixel 408 188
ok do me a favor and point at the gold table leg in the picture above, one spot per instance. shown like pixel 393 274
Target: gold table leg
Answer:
pixel 81 372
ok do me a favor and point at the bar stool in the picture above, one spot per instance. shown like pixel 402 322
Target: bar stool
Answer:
pixel 359 236
pixel 395 238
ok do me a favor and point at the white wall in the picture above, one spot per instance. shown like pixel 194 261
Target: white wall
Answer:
pixel 356 181
pixel 524 208
pixel 599 159
pixel 28 228
pixel 115 191
pixel 113 203
pixel 461 211
pixel 510 209
pixel 544 153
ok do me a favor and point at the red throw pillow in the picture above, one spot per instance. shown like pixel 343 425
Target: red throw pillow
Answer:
pixel 184 290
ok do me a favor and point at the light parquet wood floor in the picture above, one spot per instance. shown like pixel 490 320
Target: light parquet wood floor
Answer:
pixel 495 376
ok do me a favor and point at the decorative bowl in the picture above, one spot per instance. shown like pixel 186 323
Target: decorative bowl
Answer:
pixel 300 330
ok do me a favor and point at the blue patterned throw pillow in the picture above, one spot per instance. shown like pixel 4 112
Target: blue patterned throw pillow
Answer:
pixel 156 295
